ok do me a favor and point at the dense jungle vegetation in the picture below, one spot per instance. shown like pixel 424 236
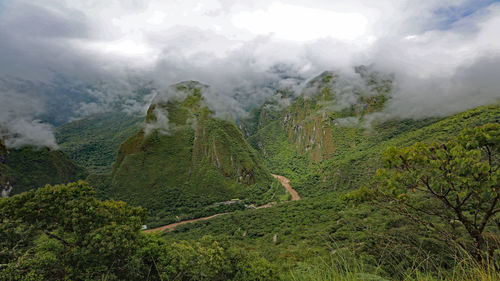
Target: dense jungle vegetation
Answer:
pixel 382 199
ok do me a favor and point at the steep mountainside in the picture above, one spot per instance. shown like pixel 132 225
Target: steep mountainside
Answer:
pixel 184 160
pixel 28 168
pixel 323 226
pixel 326 138
pixel 94 141
pixel 294 132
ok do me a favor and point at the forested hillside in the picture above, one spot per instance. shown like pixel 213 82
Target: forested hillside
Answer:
pixel 183 162
pixel 328 235
pixel 22 169
pixel 327 158
pixel 325 146
pixel 182 168
pixel 338 231
pixel 94 141
pixel 291 140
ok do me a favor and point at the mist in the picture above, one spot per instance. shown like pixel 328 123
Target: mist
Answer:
pixel 63 60
pixel 18 123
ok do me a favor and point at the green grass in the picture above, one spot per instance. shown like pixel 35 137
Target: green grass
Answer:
pixel 347 268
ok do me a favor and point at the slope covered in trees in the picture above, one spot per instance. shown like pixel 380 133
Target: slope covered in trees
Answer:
pixel 326 159
pixel 94 141
pixel 64 232
pixel 184 160
pixel 327 140
pixel 26 168
pixel 324 144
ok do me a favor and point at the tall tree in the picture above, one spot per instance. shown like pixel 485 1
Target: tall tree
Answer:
pixel 450 188
pixel 64 232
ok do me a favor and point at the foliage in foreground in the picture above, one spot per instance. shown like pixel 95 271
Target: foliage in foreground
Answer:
pixel 63 232
pixel 451 189
pixel 347 268
pixel 386 243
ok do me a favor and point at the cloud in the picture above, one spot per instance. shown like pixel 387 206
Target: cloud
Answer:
pixel 161 123
pixel 18 126
pixel 280 19
pixel 468 86
pixel 74 58
pixel 441 72
pixel 23 132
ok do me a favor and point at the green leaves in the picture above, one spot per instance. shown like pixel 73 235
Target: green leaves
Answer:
pixel 63 232
pixel 461 176
pixel 209 259
pixel 67 227
pixel 442 168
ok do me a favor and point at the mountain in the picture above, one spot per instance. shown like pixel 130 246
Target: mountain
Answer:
pixel 93 141
pixel 309 136
pixel 22 169
pixel 326 103
pixel 184 160
pixel 328 137
pixel 328 150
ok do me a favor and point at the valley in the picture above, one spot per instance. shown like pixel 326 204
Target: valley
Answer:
pixel 230 140
pixel 284 181
pixel 290 186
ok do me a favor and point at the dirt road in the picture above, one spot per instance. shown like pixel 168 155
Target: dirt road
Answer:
pixel 172 226
pixel 284 181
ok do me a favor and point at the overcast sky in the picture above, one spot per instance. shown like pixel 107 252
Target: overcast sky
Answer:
pixel 445 54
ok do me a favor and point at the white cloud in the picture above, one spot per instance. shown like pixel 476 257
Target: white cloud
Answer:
pixel 301 23
pixel 243 48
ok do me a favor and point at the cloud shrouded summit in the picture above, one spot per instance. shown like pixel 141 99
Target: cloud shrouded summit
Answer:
pixel 81 57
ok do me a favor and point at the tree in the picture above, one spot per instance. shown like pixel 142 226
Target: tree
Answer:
pixel 65 232
pixel 449 188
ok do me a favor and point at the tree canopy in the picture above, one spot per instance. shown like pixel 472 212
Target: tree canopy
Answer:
pixel 451 188
pixel 64 232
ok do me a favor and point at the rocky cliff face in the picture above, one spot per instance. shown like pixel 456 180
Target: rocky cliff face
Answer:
pixel 185 157
pixel 325 114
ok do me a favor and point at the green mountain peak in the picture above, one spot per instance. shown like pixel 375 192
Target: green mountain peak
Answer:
pixel 185 157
